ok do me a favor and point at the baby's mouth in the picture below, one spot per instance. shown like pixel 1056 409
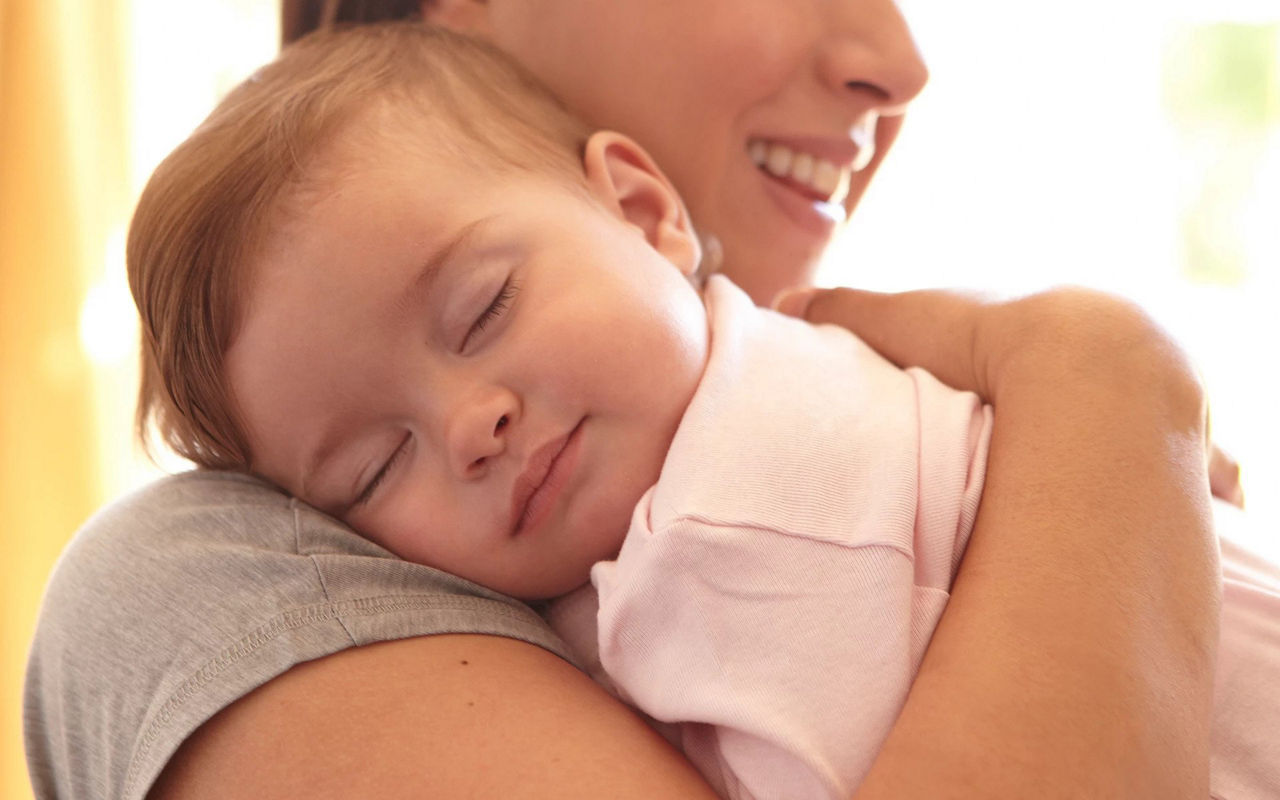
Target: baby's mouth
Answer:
pixel 813 176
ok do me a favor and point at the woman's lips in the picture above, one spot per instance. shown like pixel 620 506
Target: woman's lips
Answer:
pixel 810 177
pixel 543 479
pixel 815 217
pixel 813 176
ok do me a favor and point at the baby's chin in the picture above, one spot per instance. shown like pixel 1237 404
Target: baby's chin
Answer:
pixel 571 570
pixel 539 591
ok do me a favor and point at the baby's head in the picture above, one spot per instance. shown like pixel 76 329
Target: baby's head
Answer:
pixel 392 275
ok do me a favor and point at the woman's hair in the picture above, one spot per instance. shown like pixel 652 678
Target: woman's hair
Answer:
pixel 208 206
pixel 300 17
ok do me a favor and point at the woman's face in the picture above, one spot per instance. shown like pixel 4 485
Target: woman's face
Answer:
pixel 770 116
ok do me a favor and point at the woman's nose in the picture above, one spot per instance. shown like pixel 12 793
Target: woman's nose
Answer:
pixel 870 50
pixel 479 428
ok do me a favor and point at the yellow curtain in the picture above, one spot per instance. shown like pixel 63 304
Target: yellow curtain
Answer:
pixel 63 187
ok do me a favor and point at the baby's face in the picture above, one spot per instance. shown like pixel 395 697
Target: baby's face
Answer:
pixel 480 373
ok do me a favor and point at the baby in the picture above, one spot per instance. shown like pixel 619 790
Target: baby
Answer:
pixel 393 276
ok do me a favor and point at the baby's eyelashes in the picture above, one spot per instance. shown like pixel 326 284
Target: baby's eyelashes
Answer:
pixel 371 488
pixel 497 306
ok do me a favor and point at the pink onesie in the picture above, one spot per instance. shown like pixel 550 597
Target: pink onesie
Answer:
pixel 780 583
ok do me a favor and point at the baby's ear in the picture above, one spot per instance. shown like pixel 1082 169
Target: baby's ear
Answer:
pixel 626 180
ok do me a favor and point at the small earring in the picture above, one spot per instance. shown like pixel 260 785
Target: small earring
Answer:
pixel 712 258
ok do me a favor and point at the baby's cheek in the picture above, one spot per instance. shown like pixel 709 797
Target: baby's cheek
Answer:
pixel 690 345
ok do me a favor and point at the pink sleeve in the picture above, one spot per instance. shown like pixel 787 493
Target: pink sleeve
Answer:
pixel 787 658
pixel 1245 756
pixel 779 585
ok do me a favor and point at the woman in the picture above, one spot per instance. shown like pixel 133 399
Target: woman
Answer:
pixel 1095 504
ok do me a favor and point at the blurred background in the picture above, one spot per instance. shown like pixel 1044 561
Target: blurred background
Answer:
pixel 1113 143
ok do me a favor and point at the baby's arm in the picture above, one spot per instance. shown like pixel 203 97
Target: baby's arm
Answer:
pixel 779 585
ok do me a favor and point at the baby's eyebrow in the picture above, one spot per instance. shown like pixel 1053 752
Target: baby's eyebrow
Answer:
pixel 435 261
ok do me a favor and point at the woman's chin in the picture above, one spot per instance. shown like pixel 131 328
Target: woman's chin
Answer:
pixel 758 271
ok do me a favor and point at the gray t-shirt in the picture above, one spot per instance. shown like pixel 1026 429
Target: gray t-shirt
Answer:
pixel 172 603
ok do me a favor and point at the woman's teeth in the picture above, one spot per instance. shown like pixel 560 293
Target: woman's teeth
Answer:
pixel 819 175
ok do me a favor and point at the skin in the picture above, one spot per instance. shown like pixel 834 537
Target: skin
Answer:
pixel 831 78
pixel 1096 501
pixel 506 719
pixel 559 315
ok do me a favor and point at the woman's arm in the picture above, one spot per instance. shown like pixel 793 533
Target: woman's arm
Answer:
pixel 435 716
pixel 1075 658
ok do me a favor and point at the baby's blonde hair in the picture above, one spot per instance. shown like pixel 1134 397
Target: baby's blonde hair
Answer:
pixel 210 204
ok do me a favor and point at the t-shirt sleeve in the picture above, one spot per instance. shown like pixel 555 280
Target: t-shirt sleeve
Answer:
pixel 171 604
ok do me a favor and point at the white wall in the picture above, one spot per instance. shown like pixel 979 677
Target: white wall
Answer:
pixel 1045 151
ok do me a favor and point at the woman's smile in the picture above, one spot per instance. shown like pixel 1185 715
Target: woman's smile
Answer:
pixel 748 145
pixel 808 178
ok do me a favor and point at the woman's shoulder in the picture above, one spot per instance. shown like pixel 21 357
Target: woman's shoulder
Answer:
pixel 222 538
pixel 194 506
pixel 178 599
pixel 201 514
